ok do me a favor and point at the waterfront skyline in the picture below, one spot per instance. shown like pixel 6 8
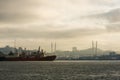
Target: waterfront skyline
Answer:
pixel 67 22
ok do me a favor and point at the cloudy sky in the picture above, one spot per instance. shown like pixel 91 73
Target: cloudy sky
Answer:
pixel 67 22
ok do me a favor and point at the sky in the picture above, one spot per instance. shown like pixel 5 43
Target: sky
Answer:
pixel 67 23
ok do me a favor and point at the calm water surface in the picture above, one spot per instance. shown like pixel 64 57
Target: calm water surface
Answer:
pixel 60 70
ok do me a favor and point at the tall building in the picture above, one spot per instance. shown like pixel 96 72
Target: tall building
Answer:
pixel 74 49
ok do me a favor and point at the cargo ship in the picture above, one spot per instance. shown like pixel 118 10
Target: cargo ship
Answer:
pixel 46 58
pixel 25 56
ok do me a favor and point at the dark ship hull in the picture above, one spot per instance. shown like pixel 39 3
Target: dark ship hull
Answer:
pixel 45 58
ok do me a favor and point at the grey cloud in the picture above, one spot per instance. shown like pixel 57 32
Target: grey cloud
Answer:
pixel 24 33
pixel 112 15
pixel 110 3
pixel 16 18
pixel 113 27
pixel 113 18
pixel 12 11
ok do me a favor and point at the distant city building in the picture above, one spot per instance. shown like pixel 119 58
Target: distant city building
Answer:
pixel 112 53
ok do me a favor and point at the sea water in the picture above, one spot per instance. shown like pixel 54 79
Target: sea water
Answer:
pixel 60 70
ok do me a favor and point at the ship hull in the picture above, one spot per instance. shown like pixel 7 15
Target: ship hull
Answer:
pixel 46 58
